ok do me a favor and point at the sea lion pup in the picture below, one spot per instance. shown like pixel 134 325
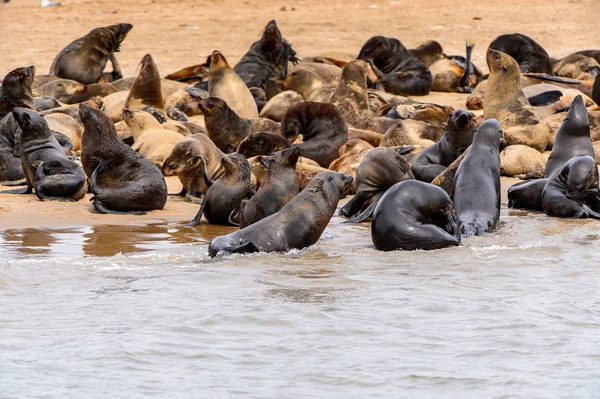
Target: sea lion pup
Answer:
pixel 146 89
pixel 456 139
pixel 46 167
pixel 414 215
pixel 309 84
pixel 526 51
pixel 572 140
pixel 506 102
pixel 454 74
pixel 297 225
pixel 224 197
pixel 428 53
pixel 262 143
pixel 15 92
pixel 276 107
pixel 227 85
pixel 572 190
pixel 577 66
pixel 84 59
pixel 278 188
pixel 190 172
pixel 184 103
pixel 267 58
pixel 477 182
pixel 123 181
pixel 379 170
pixel 225 128
pixel 322 127
pixel 60 89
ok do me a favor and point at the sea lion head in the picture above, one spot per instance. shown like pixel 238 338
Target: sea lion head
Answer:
pixel 111 36
pixel 96 123
pixel 271 36
pixel 236 165
pixel 67 88
pixel 490 134
pixel 287 157
pixel 218 62
pixel 355 71
pixel 461 128
pixel 577 119
pixel 19 80
pixel 262 143
pixel 212 106
pixel 31 123
pixel 583 177
pixel 376 48
pixel 176 162
pixel 500 62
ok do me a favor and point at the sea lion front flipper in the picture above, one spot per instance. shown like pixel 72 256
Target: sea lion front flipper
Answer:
pixel 116 73
pixel 129 140
pixel 364 215
pixel 552 78
pixel 463 84
pixel 244 248
pixel 545 98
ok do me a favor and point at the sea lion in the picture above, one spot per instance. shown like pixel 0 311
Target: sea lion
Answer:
pixel 60 89
pixel 428 53
pixel 414 215
pixel 191 172
pixel 297 225
pixel 329 72
pixel 113 104
pixel 224 197
pixel 322 127
pixel 16 92
pixel 91 91
pixel 45 103
pixel 267 58
pixel 67 125
pixel 310 85
pixel 379 170
pixel 227 85
pixel 369 136
pixel 351 96
pixel 225 128
pixel 530 56
pixel 84 59
pixel 276 107
pixel 278 188
pixel 184 103
pixel 41 80
pixel 572 139
pixel 123 181
pixel 452 75
pixel 146 89
pixel 522 162
pixel 477 182
pixel 577 66
pixel 572 191
pixel 411 132
pixel 506 102
pixel 46 167
pixel 456 139
pixel 262 143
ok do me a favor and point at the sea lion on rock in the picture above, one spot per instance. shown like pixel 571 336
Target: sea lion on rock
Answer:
pixel 297 225
pixel 262 143
pixel 506 102
pixel 123 181
pixel 146 89
pixel 379 170
pixel 278 188
pixel 456 139
pixel 322 127
pixel 530 56
pixel 224 197
pixel 84 59
pixel 225 128
pixel 179 164
pixel 46 167
pixel 414 215
pixel 572 191
pixel 477 182
pixel 227 85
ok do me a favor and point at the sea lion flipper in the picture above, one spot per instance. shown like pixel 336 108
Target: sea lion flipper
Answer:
pixel 196 220
pixel 591 214
pixel 24 190
pixel 364 215
pixel 234 217
pixel 116 73
pixel 545 98
pixel 243 248
pixel 99 206
pixel 464 80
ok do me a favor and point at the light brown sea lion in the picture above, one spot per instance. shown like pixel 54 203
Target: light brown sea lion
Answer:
pixel 351 154
pixel 428 52
pixel 310 85
pixel 91 91
pixel 156 144
pixel 373 138
pixel 146 89
pixel 577 66
pixel 329 72
pixel 73 110
pixel 113 104
pixel 276 107
pixel 60 89
pixel 224 83
pixel 184 103
pixel 41 80
pixel 84 59
pixel 410 132
pixel 522 161
pixel 68 126
pixel 506 102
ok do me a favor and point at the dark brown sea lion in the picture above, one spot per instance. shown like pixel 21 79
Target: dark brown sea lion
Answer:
pixel 225 128
pixel 414 215
pixel 278 188
pixel 322 127
pixel 456 139
pixel 262 143
pixel 146 89
pixel 84 59
pixel 123 181
pixel 297 225
pixel 224 197
pixel 46 167
pixel 379 170
pixel 572 191
pixel 530 56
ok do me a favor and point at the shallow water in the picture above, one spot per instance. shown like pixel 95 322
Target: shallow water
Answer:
pixel 121 311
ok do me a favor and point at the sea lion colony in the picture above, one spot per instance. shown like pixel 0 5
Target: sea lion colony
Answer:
pixel 273 142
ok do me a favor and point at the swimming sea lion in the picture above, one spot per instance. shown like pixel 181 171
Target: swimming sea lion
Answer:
pixel 414 215
pixel 46 167
pixel 227 85
pixel 297 225
pixel 84 59
pixel 477 182
pixel 146 89
pixel 262 143
pixel 572 191
pixel 224 197
pixel 322 127
pixel 123 181
pixel 225 128
pixel 379 170
pixel 278 188
pixel 456 139
pixel 527 52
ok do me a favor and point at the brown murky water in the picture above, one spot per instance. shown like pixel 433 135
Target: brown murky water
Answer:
pixel 102 311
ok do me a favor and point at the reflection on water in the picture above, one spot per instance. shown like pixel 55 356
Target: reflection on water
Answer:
pixel 99 311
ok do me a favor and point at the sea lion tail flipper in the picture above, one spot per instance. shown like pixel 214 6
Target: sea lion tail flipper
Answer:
pixel 354 206
pixel 24 190
pixel 104 210
pixel 545 98
pixel 244 248
pixel 404 149
pixel 364 215
pixel 452 225
pixel 552 78
pixel 101 167
pixel 464 80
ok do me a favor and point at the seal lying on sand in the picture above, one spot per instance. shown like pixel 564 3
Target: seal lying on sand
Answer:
pixel 414 215
pixel 297 225
pixel 527 52
pixel 84 59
